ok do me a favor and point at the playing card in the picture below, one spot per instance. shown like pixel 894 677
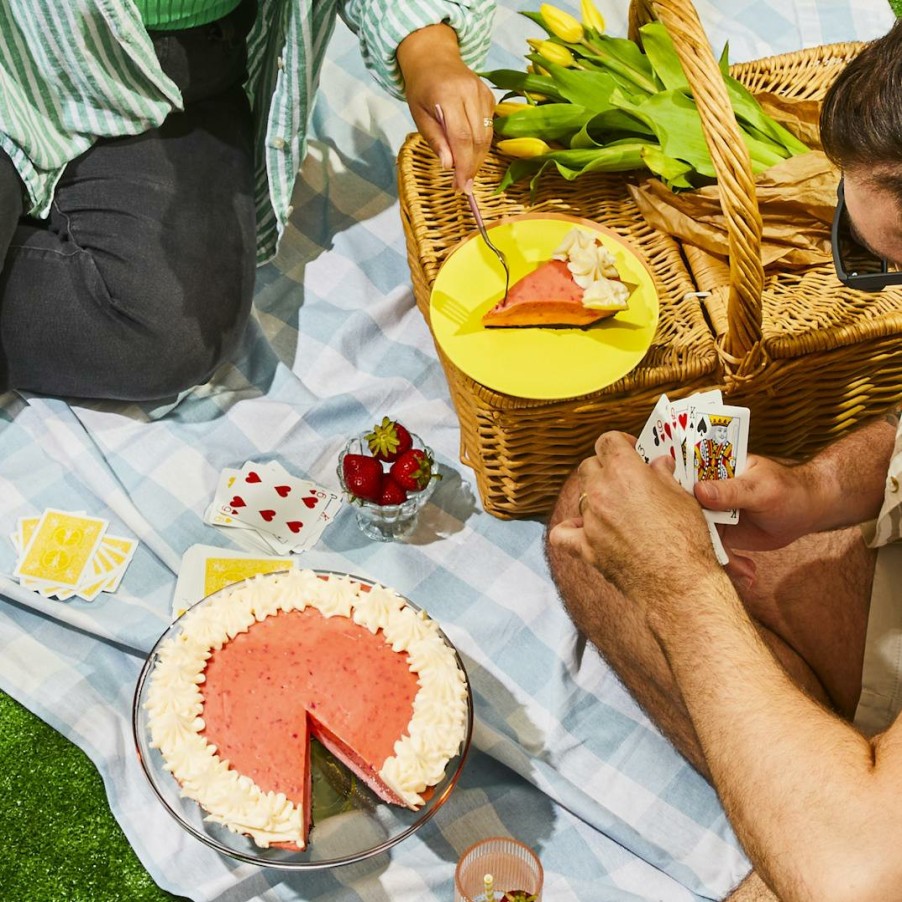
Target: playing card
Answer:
pixel 680 413
pixel 274 487
pixel 242 533
pixel 720 552
pixel 657 437
pixel 716 448
pixel 60 548
pixel 272 501
pixel 213 516
pixel 24 531
pixel 207 568
pixel 115 554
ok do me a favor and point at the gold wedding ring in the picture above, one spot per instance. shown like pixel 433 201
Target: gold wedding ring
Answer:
pixel 488 122
pixel 583 498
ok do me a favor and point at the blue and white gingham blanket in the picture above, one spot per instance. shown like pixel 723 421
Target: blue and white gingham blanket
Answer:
pixel 561 758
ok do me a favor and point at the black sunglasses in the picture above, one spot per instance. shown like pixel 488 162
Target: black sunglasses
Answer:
pixel 855 265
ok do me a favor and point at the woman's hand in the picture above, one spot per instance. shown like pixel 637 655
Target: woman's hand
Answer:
pixel 434 74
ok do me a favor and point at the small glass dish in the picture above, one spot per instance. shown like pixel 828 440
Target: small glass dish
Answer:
pixel 495 866
pixel 385 522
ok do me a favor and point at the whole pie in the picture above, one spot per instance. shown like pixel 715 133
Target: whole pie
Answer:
pixel 257 670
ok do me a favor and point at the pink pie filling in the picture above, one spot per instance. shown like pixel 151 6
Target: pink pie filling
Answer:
pixel 301 671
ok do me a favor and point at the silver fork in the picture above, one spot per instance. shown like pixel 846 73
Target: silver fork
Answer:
pixel 474 207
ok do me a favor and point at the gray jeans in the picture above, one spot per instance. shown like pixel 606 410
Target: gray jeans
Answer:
pixel 139 284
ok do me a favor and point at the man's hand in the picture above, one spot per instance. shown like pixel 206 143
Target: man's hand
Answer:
pixel 638 527
pixel 778 504
pixel 434 73
pixel 841 486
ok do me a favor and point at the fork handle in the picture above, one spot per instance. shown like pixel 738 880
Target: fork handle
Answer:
pixel 476 214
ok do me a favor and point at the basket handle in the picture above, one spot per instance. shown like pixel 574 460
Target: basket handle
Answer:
pixel 731 160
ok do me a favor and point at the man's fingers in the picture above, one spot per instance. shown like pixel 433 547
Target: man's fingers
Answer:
pixel 568 536
pixel 666 464
pixel 742 570
pixel 721 494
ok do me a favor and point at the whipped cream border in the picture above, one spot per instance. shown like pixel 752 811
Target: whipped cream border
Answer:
pixel 594 268
pixel 174 702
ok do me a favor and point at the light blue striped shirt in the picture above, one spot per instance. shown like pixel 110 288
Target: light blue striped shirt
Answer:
pixel 72 72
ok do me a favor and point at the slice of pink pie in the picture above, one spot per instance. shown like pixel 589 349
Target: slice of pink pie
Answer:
pixel 578 287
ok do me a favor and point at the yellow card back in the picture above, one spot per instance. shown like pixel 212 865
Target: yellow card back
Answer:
pixel 61 547
pixel 223 571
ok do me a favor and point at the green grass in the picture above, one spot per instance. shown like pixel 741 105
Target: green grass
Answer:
pixel 896 6
pixel 58 840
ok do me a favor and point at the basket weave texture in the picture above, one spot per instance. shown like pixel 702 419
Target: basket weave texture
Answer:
pixel 811 358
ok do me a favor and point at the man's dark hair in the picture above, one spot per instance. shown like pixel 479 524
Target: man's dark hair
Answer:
pixel 861 117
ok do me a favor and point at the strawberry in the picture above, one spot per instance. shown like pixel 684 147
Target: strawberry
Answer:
pixel 388 440
pixel 412 470
pixel 392 493
pixel 362 476
pixel 518 895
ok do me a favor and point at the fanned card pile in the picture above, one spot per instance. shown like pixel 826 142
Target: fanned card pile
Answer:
pixel 65 554
pixel 265 508
pixel 706 438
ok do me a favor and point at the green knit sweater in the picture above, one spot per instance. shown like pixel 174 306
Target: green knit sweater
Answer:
pixel 160 15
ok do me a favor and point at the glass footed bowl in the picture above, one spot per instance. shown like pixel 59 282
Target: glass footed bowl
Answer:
pixel 385 522
pixel 350 822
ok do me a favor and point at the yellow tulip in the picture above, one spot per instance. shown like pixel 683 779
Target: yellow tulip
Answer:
pixel 523 148
pixel 592 18
pixel 509 107
pixel 533 69
pixel 554 53
pixel 562 25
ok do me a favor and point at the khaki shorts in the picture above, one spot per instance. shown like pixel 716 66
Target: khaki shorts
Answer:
pixel 881 678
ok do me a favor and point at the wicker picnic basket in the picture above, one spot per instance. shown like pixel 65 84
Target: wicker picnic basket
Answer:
pixel 811 358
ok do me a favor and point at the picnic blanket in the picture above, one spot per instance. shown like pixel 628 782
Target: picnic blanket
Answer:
pixel 561 757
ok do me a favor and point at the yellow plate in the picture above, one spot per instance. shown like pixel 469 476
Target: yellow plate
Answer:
pixel 536 362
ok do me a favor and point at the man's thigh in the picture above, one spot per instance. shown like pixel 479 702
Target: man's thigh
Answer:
pixel 814 596
pixel 148 257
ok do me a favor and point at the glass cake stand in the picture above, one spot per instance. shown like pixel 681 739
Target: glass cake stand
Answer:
pixel 350 822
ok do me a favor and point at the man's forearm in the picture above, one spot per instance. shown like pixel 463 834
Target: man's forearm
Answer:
pixel 798 784
pixel 848 476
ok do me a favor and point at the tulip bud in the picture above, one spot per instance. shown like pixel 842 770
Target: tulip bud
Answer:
pixel 535 69
pixel 592 18
pixel 509 107
pixel 554 53
pixel 523 148
pixel 562 25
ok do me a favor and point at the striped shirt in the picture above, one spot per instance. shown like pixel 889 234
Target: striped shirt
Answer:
pixel 72 72
pixel 174 14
